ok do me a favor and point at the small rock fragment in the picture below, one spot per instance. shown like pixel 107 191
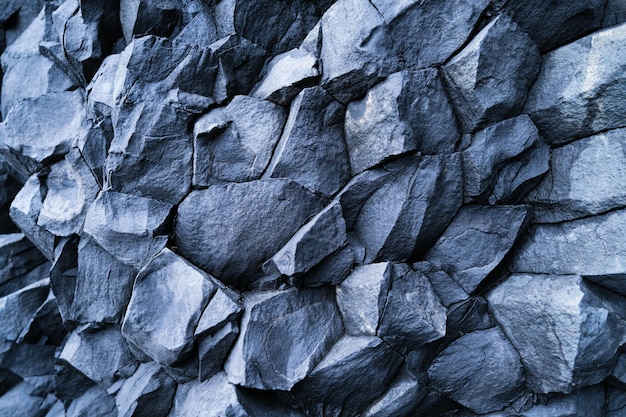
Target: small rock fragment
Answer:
pixel 147 393
pixel 448 290
pixel 402 396
pixel 18 308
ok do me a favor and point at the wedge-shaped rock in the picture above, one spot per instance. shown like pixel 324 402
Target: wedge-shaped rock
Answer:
pixel 353 374
pixel 312 150
pixel 480 370
pixel 145 17
pixel 128 227
pixel 215 397
pixel 356 49
pixel 286 75
pixel 567 331
pixel 323 235
pixel 400 398
pixel 22 400
pixel 413 315
pixel 408 111
pixel 63 275
pixel 103 286
pixel 555 23
pixel 18 256
pixel 168 298
pixel 487 80
pixel 468 316
pixel 331 270
pixel 361 297
pixel 96 402
pixel 33 363
pixel 476 241
pixel 492 148
pixel 235 143
pixel 70 188
pixel 100 91
pixel 407 214
pixel 223 308
pixel 448 290
pixel 615 401
pixel 214 350
pixel 426 33
pixel 148 393
pixel 17 309
pixel 230 230
pixel 592 247
pixel 290 22
pixel 284 334
pixel 28 142
pixel 580 88
pixel 100 355
pixel 357 191
pixel 585 178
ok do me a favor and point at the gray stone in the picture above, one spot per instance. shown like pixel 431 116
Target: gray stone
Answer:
pixel 286 75
pixel 229 230
pixel 148 393
pixel 491 149
pixel 361 297
pixel 95 402
pixel 10 187
pixel 168 298
pixel 224 307
pixel 592 247
pixel 312 149
pixel 128 227
pixel 355 372
pixel 63 275
pixel 235 143
pixel 322 236
pixel 554 23
pixel 18 256
pixel 426 33
pixel 448 290
pixel 284 334
pixel 618 374
pixel 70 189
pixel 413 315
pixel 585 402
pixel 289 22
pixel 101 355
pixel 567 332
pixel 33 363
pixel 614 13
pixel 214 350
pixel 100 98
pixel 331 270
pixel 615 402
pixel 18 308
pixel 27 142
pixel 488 80
pixel 407 214
pixel 468 316
pixel 22 400
pixel 580 88
pixel 476 242
pixel 239 63
pixel 26 72
pixel 355 55
pixel 215 397
pixel 357 191
pixel 585 178
pixel 103 286
pixel 404 393
pixel 145 17
pixel 197 24
pixel 491 376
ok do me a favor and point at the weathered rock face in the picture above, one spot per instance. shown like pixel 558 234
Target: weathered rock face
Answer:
pixel 289 208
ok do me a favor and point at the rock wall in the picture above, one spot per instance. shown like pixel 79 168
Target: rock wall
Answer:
pixel 313 208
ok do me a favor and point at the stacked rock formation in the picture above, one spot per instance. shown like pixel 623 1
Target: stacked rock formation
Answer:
pixel 313 208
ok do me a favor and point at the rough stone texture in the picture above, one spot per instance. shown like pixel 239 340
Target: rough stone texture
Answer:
pixel 586 177
pixel 491 376
pixel 476 242
pixel 400 399
pixel 147 393
pixel 267 351
pixel 168 298
pixel 591 247
pixel 312 150
pixel 567 343
pixel 489 78
pixel 580 88
pixel 255 218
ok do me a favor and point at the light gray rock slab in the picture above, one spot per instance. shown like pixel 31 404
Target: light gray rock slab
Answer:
pixel 100 98
pixel 18 308
pixel 312 149
pixel 476 242
pixel 585 178
pixel 149 392
pixel 215 397
pixel 480 370
pixel 95 402
pixel 489 79
pixel 592 247
pixel 404 393
pixel 169 296
pixel 567 332
pixel 235 143
pixel 128 227
pixel 230 230
pixel 580 88
pixel 352 375
pixel 223 308
pixel 283 336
